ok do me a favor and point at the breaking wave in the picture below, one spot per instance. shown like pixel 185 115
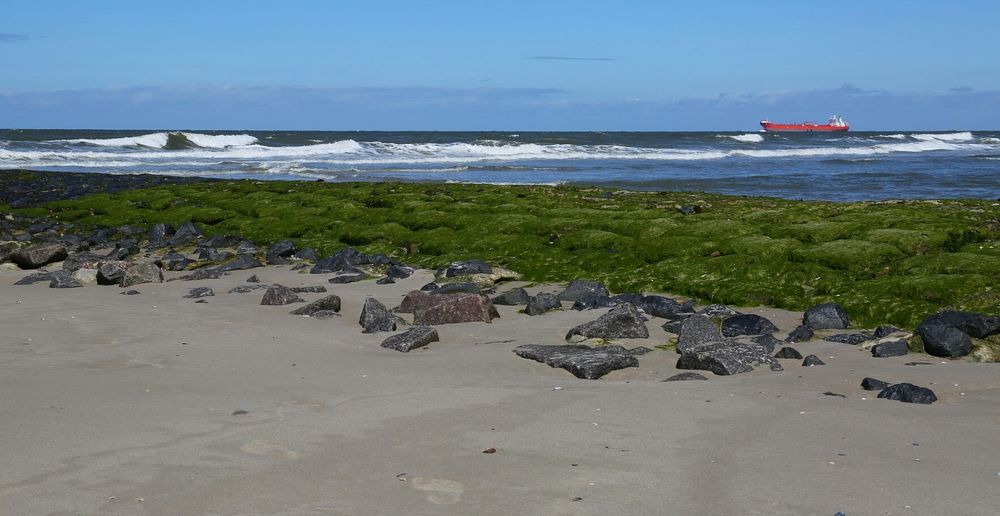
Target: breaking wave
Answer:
pixel 944 137
pixel 177 140
pixel 745 138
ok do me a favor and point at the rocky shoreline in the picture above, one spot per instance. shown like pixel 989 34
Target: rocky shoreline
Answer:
pixel 30 188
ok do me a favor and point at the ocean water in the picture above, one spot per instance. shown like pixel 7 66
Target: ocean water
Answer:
pixel 851 166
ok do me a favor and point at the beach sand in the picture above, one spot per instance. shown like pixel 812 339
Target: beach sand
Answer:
pixel 115 404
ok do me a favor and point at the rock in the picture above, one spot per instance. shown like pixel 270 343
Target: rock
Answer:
pixel 415 300
pixel 541 303
pixel 63 279
pixel 726 358
pixel 812 360
pixel 640 350
pixel 679 377
pixel 458 288
pixel 581 288
pixel 396 271
pixel 885 330
pixel 767 340
pixel 456 309
pixel 85 276
pixel 111 272
pixel 513 297
pixel 247 247
pixel 849 338
pixel 346 257
pixel 826 316
pixel 140 273
pixel 240 263
pixel 664 307
pixel 38 255
pixel 789 353
pixel 800 334
pixel 312 289
pixel 244 289
pixel 416 337
pixel 80 261
pixel 592 301
pixel 280 252
pixel 185 234
pixel 673 327
pixel 132 292
pixel 947 334
pixel 895 348
pixel 253 279
pixel 376 318
pixel 871 384
pixel 329 303
pixel 621 322
pixel 324 314
pixel 582 361
pixel 37 277
pixel 908 393
pixel 124 248
pixel 696 331
pixel 385 281
pixel 747 324
pixel 159 234
pixel 222 241
pixel 200 292
pixel 174 261
pixel 467 268
pixel 347 278
pixel 430 287
pixel 308 254
pixel 278 295
pixel 975 325
pixel 718 311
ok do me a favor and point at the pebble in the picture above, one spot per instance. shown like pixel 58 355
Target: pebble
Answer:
pixel 557 388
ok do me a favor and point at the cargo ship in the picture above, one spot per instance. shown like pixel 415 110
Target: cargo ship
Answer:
pixel 834 124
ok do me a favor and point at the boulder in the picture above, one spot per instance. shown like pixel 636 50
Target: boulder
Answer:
pixel 800 334
pixel 582 361
pixel 975 325
pixel 592 301
pixel 329 303
pixel 696 331
pixel 397 271
pixel 242 262
pixel 467 268
pixel 416 337
pixel 81 261
pixel 111 272
pixel 280 252
pixel 124 248
pixel 159 234
pixel 199 292
pixel 812 360
pixel 892 348
pixel 747 324
pixel 513 297
pixel 680 377
pixel 885 330
pixel 621 322
pixel 947 334
pixel 541 303
pixel 376 318
pixel 767 340
pixel 789 353
pixel 64 279
pixel 174 261
pixel 430 287
pixel 278 295
pixel 38 255
pixel 415 300
pixel 247 247
pixel 580 288
pixel 308 254
pixel 456 309
pixel 726 358
pixel 141 273
pixel 718 311
pixel 673 326
pixel 826 316
pixel 85 276
pixel 908 393
pixel 37 277
pixel 665 307
pixel 253 279
pixel 185 234
pixel 346 257
pixel 461 287
pixel 871 384
pixel 213 255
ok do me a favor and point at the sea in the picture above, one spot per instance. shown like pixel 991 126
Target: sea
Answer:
pixel 840 167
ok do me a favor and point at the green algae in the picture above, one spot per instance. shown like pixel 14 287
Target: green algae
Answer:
pixel 892 262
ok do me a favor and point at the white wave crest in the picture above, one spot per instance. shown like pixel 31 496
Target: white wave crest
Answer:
pixel 944 137
pixel 220 141
pixel 992 141
pixel 745 138
pixel 154 140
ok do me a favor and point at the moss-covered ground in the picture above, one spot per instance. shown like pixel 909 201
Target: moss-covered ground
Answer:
pixel 890 262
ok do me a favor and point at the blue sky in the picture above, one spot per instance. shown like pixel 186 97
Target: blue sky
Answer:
pixel 498 65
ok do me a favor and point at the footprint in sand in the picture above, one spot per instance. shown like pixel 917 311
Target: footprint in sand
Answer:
pixel 269 448
pixel 440 491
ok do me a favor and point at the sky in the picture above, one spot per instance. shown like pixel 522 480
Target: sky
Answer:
pixel 540 65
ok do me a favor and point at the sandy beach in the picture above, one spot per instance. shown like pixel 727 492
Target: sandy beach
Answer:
pixel 158 404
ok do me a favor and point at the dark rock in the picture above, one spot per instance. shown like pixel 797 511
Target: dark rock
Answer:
pixel 200 292
pixel 640 350
pixel 174 261
pixel 347 278
pixel 229 241
pixel 140 273
pixel 253 279
pixel 826 316
pixel 747 324
pixel 396 271
pixel 456 309
pixel 376 318
pixel 124 248
pixel 213 255
pixel 79 261
pixel 38 255
pixel 385 281
pixel 592 301
pixel 280 253
pixel 975 325
pixel 945 341
pixel 578 289
pixel 430 287
pixel 718 311
pixel 917 363
pixel 680 377
pixel 582 361
pixel 800 334
pixel 329 303
pixel 280 295
pixel 307 254
pixel 767 340
pixel 674 326
pixel 63 279
pixel 621 322
pixel 896 348
pixel 458 288
pixel 111 272
pixel 324 314
pixel 130 293
pixel 789 353
pixel 185 234
pixel 346 257
pixel 871 384
pixel 314 289
pixel 37 277
pixel 244 289
pixel 513 297
pixel 203 273
pixel 541 303
pixel 835 394
pixel 812 360
pixel 726 358
pixel 242 262
pixel 159 234
pixel 467 267
pixel 416 337
pixel 416 300
pixel 247 247
pixel 850 338
pixel 908 393
pixel 885 330
pixel 664 307
pixel 696 331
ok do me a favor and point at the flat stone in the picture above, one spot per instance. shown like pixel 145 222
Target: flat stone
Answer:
pixel 244 289
pixel 727 358
pixel 460 287
pixel 347 278
pixel 717 311
pixel 896 348
pixel 621 322
pixel 467 268
pixel 908 393
pixel 313 289
pixel 329 303
pixel 416 337
pixel 871 384
pixel 850 338
pixel 582 361
pixel 680 377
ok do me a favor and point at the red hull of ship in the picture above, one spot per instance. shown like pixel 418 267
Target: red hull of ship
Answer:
pixel 804 127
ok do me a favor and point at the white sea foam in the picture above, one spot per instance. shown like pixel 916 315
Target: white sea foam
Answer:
pixel 154 140
pixel 745 138
pixel 944 137
pixel 220 141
